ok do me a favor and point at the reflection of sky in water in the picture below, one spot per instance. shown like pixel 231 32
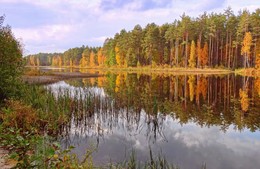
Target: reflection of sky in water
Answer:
pixel 188 145
pixel 61 87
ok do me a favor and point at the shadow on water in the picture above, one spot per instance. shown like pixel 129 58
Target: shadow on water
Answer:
pixel 191 119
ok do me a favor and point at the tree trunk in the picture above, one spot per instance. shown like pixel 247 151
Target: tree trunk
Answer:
pixel 221 57
pixel 171 49
pixel 209 52
pixel 177 51
pixel 229 52
pixel 176 89
pixel 217 50
pixel 186 50
pixel 226 54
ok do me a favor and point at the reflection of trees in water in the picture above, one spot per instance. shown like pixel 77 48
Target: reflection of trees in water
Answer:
pixel 205 100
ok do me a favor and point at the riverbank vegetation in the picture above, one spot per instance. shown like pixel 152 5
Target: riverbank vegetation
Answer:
pixel 222 40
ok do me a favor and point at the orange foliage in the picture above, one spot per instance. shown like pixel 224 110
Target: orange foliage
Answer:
pixel 201 88
pixel 199 51
pixel 92 81
pixel 101 81
pixel 118 57
pixel 20 115
pixel 257 86
pixel 244 100
pixel 191 82
pixel 247 42
pixel 257 61
pixel 120 80
pixel 204 55
pixel 92 59
pixel 101 57
pixel 192 60
pixel 83 61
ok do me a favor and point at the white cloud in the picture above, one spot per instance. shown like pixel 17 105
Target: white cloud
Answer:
pixel 47 32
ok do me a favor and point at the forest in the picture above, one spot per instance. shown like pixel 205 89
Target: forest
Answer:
pixel 223 40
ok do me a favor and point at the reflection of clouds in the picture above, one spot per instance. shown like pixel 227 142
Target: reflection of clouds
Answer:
pixel 63 87
pixel 187 145
pixel 196 138
pixel 192 135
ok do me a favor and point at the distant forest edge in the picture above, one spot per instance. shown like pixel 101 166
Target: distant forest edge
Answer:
pixel 211 40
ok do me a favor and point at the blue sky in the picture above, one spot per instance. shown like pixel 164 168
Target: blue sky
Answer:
pixel 56 25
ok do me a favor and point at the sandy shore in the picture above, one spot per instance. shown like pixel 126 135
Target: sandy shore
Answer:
pixel 5 163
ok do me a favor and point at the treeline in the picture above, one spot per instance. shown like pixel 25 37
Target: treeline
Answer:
pixel 210 40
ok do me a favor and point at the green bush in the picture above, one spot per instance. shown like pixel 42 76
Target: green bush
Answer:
pixel 11 62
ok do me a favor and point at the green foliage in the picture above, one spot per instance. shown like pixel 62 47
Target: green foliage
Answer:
pixel 31 150
pixel 11 62
pixel 20 144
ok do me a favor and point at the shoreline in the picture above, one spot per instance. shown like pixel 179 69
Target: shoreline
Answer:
pixel 141 69
pixel 55 77
pixel 45 76
pixel 5 163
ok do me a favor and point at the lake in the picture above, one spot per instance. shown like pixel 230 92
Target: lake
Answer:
pixel 191 120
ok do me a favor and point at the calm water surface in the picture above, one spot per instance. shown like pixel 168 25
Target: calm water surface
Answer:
pixel 191 120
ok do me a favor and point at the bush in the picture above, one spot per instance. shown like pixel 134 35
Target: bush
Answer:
pixel 11 62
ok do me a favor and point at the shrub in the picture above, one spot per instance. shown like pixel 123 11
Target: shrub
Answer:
pixel 11 62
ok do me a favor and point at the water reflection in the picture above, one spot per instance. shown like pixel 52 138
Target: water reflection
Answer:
pixel 190 120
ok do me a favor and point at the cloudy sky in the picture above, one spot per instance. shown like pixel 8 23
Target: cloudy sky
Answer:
pixel 56 25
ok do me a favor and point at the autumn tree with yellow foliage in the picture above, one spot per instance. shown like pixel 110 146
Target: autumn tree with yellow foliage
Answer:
pixel 192 60
pixel 92 62
pixel 204 55
pixel 244 99
pixel 101 57
pixel 191 83
pixel 246 46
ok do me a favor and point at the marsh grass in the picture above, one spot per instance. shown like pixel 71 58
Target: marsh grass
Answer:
pixel 154 163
